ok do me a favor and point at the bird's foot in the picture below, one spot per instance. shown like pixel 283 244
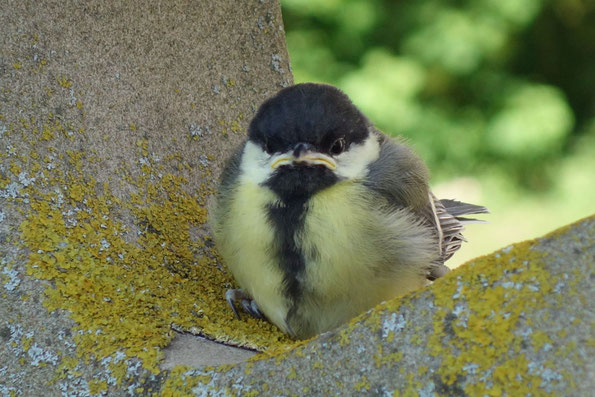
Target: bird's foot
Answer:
pixel 437 271
pixel 237 297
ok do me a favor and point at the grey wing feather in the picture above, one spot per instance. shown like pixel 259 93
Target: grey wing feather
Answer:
pixel 457 208
pixel 402 178
pixel 218 207
pixel 231 170
pixel 398 175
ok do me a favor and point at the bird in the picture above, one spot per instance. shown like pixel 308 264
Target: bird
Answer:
pixel 320 216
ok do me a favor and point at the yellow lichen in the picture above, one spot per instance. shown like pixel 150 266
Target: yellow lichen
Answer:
pixel 179 384
pixel 47 134
pixel 248 368
pixel 64 82
pixel 487 334
pixel 97 386
pixel 15 169
pixel 388 359
pixel 26 343
pixel 539 339
pixel 363 384
pixel 292 373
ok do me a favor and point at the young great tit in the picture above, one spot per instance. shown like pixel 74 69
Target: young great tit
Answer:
pixel 320 216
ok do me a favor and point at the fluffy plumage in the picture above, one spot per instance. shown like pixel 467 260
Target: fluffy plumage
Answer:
pixel 320 216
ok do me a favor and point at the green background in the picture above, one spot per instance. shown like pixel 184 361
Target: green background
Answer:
pixel 497 96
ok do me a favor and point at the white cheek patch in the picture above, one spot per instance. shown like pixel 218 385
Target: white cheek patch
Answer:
pixel 353 163
pixel 255 166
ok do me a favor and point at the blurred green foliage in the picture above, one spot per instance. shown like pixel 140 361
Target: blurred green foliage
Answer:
pixel 481 87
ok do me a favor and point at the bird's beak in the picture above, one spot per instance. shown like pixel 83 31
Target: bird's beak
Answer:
pixel 313 158
pixel 302 154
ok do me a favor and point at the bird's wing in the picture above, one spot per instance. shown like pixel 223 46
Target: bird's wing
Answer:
pixel 399 175
pixel 219 205
pixel 402 178
pixel 231 170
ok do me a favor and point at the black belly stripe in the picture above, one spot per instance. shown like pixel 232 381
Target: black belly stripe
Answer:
pixel 294 186
pixel 288 221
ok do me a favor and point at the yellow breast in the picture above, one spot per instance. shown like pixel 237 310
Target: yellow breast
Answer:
pixel 353 266
pixel 245 240
pixel 353 249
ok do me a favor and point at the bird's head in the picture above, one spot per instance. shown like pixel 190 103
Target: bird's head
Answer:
pixel 306 138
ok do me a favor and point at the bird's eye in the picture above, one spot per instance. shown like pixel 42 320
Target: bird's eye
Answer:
pixel 266 146
pixel 338 146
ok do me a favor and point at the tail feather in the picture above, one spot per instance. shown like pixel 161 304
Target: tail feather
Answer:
pixel 468 221
pixel 457 208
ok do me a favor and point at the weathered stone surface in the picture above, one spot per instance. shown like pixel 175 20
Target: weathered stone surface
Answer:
pixel 115 120
pixel 517 322
pixel 195 351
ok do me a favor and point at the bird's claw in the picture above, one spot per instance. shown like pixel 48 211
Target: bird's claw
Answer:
pixel 237 296
pixel 437 271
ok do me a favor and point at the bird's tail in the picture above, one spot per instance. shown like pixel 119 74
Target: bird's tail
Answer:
pixel 458 208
